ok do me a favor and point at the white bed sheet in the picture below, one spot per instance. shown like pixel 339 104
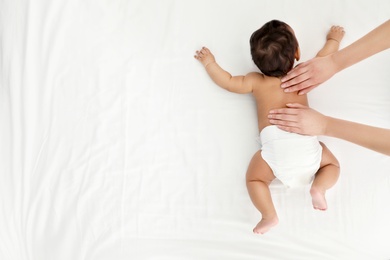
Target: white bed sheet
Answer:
pixel 115 144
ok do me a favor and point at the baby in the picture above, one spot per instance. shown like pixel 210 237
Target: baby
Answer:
pixel 294 159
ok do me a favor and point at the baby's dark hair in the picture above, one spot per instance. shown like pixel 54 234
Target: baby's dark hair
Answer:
pixel 273 48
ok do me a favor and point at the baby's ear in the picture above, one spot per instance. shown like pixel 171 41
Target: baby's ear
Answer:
pixel 298 54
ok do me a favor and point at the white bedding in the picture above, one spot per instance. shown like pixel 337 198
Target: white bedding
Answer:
pixel 115 144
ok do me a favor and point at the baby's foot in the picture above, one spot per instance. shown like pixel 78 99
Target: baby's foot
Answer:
pixel 265 224
pixel 335 33
pixel 318 199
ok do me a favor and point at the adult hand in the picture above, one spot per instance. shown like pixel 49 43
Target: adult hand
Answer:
pixel 298 119
pixel 308 75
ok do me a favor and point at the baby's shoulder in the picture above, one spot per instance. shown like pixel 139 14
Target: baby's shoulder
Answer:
pixel 255 78
pixel 259 80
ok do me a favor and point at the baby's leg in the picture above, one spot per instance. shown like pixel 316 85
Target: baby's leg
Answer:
pixel 258 178
pixel 333 39
pixel 325 178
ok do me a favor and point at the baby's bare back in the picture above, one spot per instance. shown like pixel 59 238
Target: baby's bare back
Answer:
pixel 270 95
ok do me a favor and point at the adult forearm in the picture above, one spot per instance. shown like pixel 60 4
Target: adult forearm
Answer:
pixel 375 41
pixel 374 138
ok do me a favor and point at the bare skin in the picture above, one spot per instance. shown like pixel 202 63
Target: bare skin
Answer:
pixel 259 176
pixel 333 39
pixel 268 95
pixel 325 178
pixel 312 73
pixel 303 120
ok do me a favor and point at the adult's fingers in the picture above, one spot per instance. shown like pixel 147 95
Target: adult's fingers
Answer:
pixel 286 125
pixel 307 90
pixel 295 72
pixel 296 105
pixel 299 83
pixel 282 119
pixel 290 129
pixel 287 118
pixel 286 111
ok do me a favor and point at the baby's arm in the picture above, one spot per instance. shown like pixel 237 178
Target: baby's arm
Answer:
pixel 237 84
pixel 333 38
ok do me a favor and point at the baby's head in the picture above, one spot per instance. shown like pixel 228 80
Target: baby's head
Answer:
pixel 274 48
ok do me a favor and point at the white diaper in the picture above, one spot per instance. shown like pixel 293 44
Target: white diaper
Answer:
pixel 293 158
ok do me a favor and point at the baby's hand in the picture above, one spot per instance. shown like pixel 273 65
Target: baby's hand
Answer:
pixel 335 33
pixel 204 56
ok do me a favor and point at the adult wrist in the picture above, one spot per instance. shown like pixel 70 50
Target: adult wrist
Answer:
pixel 338 61
pixel 327 127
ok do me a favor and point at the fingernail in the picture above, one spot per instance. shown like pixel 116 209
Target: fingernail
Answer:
pixel 286 90
pixel 283 85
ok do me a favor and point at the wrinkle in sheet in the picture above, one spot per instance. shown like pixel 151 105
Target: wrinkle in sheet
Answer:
pixel 118 146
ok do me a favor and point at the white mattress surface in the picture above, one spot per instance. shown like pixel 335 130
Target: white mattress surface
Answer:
pixel 115 144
